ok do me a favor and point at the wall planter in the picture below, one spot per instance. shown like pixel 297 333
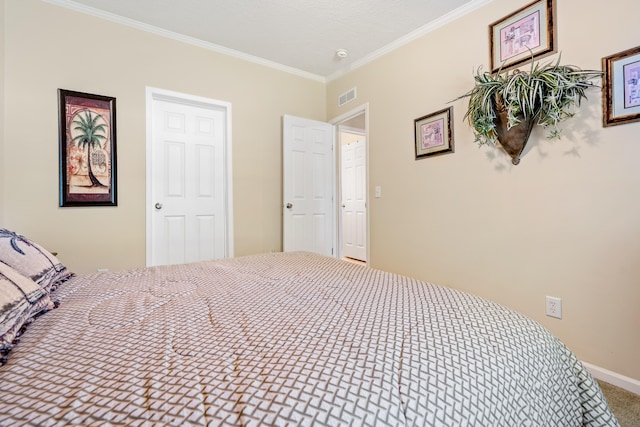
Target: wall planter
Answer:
pixel 505 106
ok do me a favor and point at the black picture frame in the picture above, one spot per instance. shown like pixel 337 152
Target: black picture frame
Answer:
pixel 434 134
pixel 87 149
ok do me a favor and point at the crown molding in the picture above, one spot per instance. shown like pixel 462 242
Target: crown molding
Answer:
pixel 68 4
pixel 432 26
pixel 428 28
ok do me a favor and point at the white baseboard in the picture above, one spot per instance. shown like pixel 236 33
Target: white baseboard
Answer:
pixel 614 378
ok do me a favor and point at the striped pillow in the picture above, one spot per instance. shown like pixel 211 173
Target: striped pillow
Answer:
pixel 31 260
pixel 20 300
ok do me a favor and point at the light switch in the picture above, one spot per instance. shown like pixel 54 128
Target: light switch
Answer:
pixel 378 191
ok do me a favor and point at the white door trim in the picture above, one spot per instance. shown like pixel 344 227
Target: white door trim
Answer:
pixel 362 109
pixel 348 129
pixel 152 94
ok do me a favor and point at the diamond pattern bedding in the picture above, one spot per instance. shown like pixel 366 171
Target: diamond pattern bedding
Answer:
pixel 288 339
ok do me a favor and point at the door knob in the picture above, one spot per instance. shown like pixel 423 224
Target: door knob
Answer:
pixel 158 206
pixel 289 205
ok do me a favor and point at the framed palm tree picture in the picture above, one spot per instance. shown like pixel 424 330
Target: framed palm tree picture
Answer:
pixel 87 144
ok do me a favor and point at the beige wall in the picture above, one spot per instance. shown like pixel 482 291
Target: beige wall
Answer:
pixel 565 222
pixel 49 47
pixel 2 100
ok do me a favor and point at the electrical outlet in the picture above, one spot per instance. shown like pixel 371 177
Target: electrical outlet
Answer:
pixel 554 307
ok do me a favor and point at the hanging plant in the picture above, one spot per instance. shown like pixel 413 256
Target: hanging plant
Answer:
pixel 504 106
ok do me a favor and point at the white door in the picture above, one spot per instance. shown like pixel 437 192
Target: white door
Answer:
pixel 308 186
pixel 354 206
pixel 187 191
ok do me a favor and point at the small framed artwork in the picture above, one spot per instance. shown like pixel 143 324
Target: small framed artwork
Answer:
pixel 433 133
pixel 87 149
pixel 525 34
pixel 621 87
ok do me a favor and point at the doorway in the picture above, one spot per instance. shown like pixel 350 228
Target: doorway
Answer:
pixel 353 185
pixel 189 197
pixel 312 180
pixel 353 206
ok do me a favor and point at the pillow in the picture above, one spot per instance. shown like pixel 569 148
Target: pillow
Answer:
pixel 21 299
pixel 31 260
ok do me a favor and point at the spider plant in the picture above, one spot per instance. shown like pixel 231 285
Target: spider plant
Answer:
pixel 545 95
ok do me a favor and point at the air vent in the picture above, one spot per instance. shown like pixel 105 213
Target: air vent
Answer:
pixel 348 96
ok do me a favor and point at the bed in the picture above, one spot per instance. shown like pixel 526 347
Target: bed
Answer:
pixel 288 339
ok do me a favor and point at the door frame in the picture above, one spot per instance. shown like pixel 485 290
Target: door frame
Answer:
pixel 351 131
pixel 152 94
pixel 336 122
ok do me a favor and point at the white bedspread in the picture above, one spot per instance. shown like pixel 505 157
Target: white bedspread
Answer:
pixel 288 339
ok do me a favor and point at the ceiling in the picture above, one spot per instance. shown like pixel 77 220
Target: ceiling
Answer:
pixel 301 36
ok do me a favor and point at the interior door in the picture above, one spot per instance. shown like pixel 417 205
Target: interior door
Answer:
pixel 354 206
pixel 188 177
pixel 308 186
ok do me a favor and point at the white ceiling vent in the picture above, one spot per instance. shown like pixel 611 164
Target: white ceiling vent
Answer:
pixel 348 96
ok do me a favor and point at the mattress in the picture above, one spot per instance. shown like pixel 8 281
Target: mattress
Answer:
pixel 288 339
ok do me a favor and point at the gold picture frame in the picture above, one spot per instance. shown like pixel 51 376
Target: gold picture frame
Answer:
pixel 621 87
pixel 527 33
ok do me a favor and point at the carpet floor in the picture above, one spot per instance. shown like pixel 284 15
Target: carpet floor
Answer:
pixel 624 404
